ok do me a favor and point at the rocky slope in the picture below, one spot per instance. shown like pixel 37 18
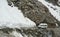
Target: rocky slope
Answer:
pixel 31 32
pixel 35 11
pixel 54 2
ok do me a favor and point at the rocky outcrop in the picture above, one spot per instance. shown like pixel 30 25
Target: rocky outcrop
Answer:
pixel 54 2
pixel 30 32
pixel 5 32
pixel 56 31
pixel 5 35
pixel 36 11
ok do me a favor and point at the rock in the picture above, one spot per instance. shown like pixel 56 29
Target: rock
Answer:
pixel 5 35
pixel 31 32
pixel 54 2
pixel 36 11
pixel 56 31
pixel 9 2
pixel 58 3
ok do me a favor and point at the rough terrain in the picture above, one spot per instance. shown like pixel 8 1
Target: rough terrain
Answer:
pixel 35 11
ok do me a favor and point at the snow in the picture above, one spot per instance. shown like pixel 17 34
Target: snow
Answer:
pixel 55 10
pixel 16 34
pixel 58 2
pixel 12 17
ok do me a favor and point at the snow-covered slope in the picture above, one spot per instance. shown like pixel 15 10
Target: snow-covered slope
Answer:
pixel 54 9
pixel 12 17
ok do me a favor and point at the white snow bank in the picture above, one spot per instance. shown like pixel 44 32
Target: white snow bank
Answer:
pixel 12 17
pixel 51 7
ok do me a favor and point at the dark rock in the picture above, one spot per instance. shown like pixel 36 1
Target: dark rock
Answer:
pixel 54 2
pixel 56 31
pixel 31 32
pixel 6 30
pixel 36 11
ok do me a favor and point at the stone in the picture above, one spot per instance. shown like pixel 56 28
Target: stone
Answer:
pixel 54 2
pixel 37 12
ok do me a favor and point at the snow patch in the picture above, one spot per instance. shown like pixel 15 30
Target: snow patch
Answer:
pixel 16 34
pixel 55 10
pixel 12 17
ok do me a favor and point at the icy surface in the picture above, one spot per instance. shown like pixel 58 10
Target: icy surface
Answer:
pixel 12 17
pixel 55 10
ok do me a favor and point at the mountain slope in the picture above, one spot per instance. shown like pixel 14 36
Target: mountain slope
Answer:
pixel 12 17
pixel 39 12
